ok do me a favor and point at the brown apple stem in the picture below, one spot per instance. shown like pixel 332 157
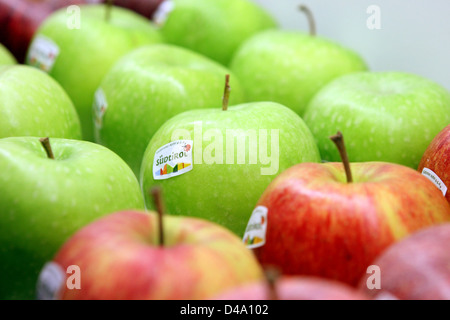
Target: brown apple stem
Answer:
pixel 272 274
pixel 47 147
pixel 109 5
pixel 156 193
pixel 338 140
pixel 310 17
pixel 226 94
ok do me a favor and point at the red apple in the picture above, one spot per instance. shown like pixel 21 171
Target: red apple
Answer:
pixel 435 163
pixel 320 224
pixel 415 268
pixel 119 257
pixel 144 7
pixel 21 18
pixel 294 288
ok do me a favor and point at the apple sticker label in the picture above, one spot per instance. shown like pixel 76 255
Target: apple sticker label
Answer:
pixel 173 159
pixel 43 53
pixel 50 281
pixel 255 233
pixel 433 177
pixel 162 12
pixel 100 106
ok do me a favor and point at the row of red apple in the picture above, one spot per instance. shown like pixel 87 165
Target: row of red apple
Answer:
pixel 140 98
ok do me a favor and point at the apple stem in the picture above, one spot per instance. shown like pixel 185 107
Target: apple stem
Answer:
pixel 338 140
pixel 109 4
pixel 47 147
pixel 156 193
pixel 310 17
pixel 226 94
pixel 272 274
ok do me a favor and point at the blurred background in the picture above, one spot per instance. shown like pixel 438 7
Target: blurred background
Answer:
pixel 413 36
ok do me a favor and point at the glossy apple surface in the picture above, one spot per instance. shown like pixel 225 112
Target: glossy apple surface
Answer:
pixel 437 159
pixel 386 116
pixel 289 67
pixel 318 224
pixel 87 53
pixel 33 104
pixel 415 268
pixel 45 200
pixel 119 257
pixel 235 155
pixel 149 86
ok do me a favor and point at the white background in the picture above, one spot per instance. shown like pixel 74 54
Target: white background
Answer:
pixel 414 35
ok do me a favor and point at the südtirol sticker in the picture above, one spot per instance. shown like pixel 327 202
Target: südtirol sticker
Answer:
pixel 433 177
pixel 43 53
pixel 162 12
pixel 173 159
pixel 50 282
pixel 255 233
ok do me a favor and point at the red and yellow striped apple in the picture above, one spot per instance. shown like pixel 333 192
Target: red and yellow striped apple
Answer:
pixel 435 163
pixel 320 224
pixel 120 257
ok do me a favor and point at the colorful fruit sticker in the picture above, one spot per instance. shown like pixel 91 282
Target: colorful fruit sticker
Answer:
pixel 43 53
pixel 173 159
pixel 162 12
pixel 50 282
pixel 433 177
pixel 255 233
pixel 99 107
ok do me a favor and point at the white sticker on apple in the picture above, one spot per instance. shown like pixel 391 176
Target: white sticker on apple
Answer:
pixel 433 177
pixel 50 282
pixel 173 159
pixel 100 106
pixel 162 12
pixel 43 53
pixel 255 233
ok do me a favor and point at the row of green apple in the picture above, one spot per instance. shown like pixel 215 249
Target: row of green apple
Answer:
pixel 145 96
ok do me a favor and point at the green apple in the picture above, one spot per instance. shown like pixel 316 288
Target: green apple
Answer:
pixel 33 104
pixel 44 200
pixel 79 53
pixel 386 116
pixel 147 87
pixel 6 57
pixel 215 28
pixel 289 67
pixel 214 164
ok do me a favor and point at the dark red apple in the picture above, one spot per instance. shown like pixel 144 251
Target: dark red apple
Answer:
pixel 415 268
pixel 143 7
pixel 435 163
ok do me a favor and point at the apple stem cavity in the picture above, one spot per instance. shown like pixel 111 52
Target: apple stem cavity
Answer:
pixel 272 274
pixel 109 5
pixel 226 94
pixel 47 147
pixel 310 17
pixel 157 198
pixel 338 140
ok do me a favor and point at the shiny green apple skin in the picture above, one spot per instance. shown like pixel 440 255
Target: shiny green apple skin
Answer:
pixel 289 67
pixel 152 84
pixel 384 116
pixel 87 53
pixel 215 28
pixel 220 192
pixel 34 104
pixel 44 201
pixel 6 58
